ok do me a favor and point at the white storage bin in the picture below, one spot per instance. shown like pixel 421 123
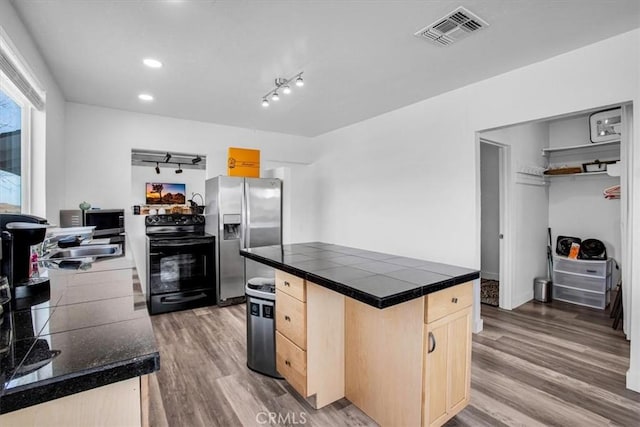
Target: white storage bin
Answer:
pixel 587 283
pixel 589 268
pixel 576 296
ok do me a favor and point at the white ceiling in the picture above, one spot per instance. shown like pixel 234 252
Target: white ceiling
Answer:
pixel 360 57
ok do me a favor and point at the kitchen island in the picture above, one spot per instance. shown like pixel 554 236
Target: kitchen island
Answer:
pixel 389 333
pixel 80 354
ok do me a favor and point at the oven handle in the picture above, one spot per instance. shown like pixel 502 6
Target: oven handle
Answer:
pixel 180 244
pixel 180 300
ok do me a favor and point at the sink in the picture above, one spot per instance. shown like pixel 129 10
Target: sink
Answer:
pixel 85 251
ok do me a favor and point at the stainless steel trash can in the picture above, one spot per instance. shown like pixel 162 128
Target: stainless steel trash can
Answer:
pixel 261 328
pixel 542 289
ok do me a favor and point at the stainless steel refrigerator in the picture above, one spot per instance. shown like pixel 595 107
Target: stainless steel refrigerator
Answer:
pixel 241 212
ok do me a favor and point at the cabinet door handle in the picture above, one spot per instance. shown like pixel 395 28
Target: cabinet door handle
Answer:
pixel 287 318
pixel 432 343
pixel 286 283
pixel 592 271
pixel 454 300
pixel 286 362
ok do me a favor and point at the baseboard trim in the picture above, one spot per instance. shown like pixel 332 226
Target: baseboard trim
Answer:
pixel 522 299
pixel 490 276
pixel 478 326
pixel 633 380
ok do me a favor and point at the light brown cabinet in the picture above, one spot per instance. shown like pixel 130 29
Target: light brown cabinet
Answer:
pixel 408 364
pixel 447 359
pixel 310 339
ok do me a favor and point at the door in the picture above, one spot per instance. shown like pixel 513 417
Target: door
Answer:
pixel 263 219
pixel 435 373
pixel 231 263
pixel 490 223
pixel 180 265
pixel 459 358
pixel 447 371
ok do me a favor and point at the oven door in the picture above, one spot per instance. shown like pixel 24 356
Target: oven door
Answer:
pixel 180 265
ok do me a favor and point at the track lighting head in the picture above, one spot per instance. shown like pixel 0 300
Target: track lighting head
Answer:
pixel 167 157
pixel 157 168
pixel 283 85
pixel 197 160
pixel 179 170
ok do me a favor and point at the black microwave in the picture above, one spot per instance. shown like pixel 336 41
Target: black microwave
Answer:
pixel 107 221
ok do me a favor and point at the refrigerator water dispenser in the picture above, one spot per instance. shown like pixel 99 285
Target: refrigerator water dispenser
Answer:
pixel 231 224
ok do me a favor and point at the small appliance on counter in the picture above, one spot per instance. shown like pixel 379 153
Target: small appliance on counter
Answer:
pixel 19 234
pixel 107 222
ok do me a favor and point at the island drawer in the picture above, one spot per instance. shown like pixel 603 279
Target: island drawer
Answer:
pixel 292 285
pixel 291 318
pixel 291 363
pixel 442 303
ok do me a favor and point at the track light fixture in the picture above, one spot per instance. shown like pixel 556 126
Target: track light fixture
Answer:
pixel 157 168
pixel 284 86
pixel 197 160
pixel 167 157
pixel 179 170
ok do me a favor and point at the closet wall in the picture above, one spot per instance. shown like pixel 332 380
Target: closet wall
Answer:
pixel 577 206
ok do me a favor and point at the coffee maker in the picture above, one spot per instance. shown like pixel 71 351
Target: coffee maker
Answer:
pixel 19 233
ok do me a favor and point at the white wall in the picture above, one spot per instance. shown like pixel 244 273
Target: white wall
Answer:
pixel 490 211
pixel 405 182
pixel 48 126
pixel 576 204
pixel 99 143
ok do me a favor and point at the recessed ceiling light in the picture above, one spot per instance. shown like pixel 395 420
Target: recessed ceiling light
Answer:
pixel 145 97
pixel 152 63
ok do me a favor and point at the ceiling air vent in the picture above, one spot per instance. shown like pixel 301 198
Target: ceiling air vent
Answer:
pixel 453 27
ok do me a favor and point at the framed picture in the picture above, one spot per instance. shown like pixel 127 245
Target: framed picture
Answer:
pixel 162 193
pixel 606 125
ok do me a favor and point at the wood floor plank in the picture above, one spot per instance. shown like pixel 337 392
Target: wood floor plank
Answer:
pixel 541 364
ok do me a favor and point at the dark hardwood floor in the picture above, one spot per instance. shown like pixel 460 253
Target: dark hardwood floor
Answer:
pixel 541 364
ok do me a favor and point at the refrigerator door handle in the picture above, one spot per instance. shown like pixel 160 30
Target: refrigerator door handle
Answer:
pixel 247 214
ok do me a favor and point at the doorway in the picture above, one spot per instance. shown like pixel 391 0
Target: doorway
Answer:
pixel 490 223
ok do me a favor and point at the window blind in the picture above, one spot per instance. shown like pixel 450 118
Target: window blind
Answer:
pixel 17 78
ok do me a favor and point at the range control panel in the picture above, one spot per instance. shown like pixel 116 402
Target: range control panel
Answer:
pixel 174 219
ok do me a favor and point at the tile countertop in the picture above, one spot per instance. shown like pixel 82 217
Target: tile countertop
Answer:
pixel 374 278
pixel 91 330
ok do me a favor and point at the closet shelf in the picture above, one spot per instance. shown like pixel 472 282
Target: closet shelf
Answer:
pixel 547 151
pixel 580 174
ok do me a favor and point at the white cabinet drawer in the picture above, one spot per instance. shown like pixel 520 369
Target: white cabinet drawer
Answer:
pixel 587 268
pixel 593 284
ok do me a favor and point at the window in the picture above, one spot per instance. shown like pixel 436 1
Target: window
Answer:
pixel 20 95
pixel 11 171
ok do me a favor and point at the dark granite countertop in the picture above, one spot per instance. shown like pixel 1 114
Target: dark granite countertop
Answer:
pixel 375 278
pixel 91 330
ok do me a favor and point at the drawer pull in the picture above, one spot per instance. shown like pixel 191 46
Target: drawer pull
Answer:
pixel 432 343
pixel 286 283
pixel 286 362
pixel 592 271
pixel 287 318
pixel 454 300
